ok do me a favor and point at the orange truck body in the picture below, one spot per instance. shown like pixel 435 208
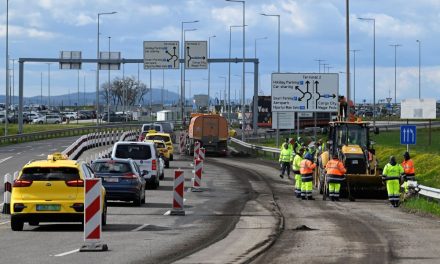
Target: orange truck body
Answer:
pixel 211 131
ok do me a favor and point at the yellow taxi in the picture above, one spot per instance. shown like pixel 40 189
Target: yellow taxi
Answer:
pixel 163 150
pixel 154 135
pixel 51 190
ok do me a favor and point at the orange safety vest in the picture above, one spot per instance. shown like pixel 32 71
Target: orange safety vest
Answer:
pixel 408 167
pixel 306 166
pixel 335 167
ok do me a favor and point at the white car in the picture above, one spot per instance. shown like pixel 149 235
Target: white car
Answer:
pixel 71 115
pixel 146 157
pixel 47 119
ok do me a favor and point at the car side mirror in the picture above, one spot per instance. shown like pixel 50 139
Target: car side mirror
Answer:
pixel 144 173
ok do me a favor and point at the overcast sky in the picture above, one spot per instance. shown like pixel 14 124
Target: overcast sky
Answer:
pixel 310 30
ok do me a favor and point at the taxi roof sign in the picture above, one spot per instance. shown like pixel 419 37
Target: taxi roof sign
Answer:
pixel 56 156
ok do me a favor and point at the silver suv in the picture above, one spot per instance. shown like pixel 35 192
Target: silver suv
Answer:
pixel 47 119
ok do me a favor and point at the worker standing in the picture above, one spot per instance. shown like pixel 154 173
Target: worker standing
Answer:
pixel 391 174
pixel 296 170
pixel 408 168
pixel 335 170
pixel 285 160
pixel 306 168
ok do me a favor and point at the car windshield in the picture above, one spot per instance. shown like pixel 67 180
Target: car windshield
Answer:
pixel 111 167
pixel 352 134
pixel 136 152
pixel 147 127
pixel 50 174
pixel 159 137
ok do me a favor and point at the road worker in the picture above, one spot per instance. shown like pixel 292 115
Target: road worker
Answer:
pixel 286 142
pixel 285 159
pixel 391 174
pixel 306 168
pixel 408 168
pixel 296 170
pixel 298 144
pixel 335 170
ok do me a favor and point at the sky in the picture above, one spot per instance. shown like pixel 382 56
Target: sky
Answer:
pixel 310 30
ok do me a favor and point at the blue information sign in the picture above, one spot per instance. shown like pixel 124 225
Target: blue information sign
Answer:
pixel 408 135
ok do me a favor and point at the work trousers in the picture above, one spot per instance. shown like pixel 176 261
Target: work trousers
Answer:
pixel 306 185
pixel 409 177
pixel 285 166
pixel 393 189
pixel 298 184
pixel 333 189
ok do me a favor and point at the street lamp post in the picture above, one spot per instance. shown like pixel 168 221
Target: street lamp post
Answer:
pixel 420 61
pixel 209 70
pixel 354 76
pixel 97 66
pixel 279 37
pixel 224 99
pixel 319 64
pixel 395 71
pixel 41 88
pixel 244 65
pixel 109 84
pixel 77 101
pixel 7 68
pixel 189 90
pixel 374 66
pixel 229 69
pixel 48 85
pixel 182 71
pixel 255 45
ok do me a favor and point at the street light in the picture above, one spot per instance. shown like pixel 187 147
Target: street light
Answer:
pixel 279 36
pixel 395 71
pixel 244 64
pixel 189 91
pixel 229 68
pixel 319 64
pixel 354 75
pixel 109 85
pixel 7 68
pixel 224 100
pixel 374 65
pixel 241 82
pixel 209 69
pixel 48 84
pixel 255 45
pixel 97 66
pixel 182 71
pixel 420 58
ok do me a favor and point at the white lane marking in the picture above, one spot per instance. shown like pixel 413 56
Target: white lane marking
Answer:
pixel 139 227
pixel 4 223
pixel 19 153
pixel 67 253
pixel 167 212
pixel 5 159
pixel 53 149
pixel 42 155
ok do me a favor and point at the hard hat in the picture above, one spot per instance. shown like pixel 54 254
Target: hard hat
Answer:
pixel 309 156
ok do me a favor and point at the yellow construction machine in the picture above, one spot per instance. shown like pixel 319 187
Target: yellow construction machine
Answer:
pixel 351 142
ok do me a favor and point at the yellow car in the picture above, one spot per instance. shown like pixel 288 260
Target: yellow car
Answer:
pixel 153 135
pixel 163 150
pixel 51 190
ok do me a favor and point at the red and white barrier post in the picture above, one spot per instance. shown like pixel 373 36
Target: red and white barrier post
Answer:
pixel 182 142
pixel 178 190
pixel 7 194
pixel 202 156
pixel 196 149
pixel 197 178
pixel 93 216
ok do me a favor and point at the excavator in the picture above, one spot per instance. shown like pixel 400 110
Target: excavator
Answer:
pixel 350 141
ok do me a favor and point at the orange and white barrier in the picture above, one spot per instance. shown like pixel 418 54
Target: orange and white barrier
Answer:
pixel 178 190
pixel 7 194
pixel 93 216
pixel 182 139
pixel 197 179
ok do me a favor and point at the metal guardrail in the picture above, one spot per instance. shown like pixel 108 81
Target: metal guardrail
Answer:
pixel 425 191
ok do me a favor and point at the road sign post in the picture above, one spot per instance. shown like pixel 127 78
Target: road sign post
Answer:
pixel 408 135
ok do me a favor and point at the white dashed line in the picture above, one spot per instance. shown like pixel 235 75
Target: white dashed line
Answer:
pixel 167 212
pixel 4 223
pixel 5 159
pixel 67 253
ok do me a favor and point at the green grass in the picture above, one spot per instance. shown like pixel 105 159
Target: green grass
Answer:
pixel 30 128
pixel 422 206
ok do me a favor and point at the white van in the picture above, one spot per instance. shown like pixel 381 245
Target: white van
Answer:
pixel 146 157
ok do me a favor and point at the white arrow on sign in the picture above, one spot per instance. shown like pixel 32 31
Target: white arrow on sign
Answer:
pixel 404 135
pixel 412 134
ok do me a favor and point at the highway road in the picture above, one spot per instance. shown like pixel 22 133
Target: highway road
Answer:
pixel 245 213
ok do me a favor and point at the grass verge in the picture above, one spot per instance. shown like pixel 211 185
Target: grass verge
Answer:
pixel 423 206
pixel 30 128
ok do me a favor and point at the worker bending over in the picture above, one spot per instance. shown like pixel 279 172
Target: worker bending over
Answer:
pixel 335 170
pixel 408 168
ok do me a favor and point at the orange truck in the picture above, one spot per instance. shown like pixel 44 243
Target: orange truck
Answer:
pixel 211 131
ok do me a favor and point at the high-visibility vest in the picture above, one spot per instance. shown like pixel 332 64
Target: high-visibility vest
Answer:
pixel 306 166
pixel 290 146
pixel 285 155
pixel 335 167
pixel 297 164
pixel 408 167
pixel 392 171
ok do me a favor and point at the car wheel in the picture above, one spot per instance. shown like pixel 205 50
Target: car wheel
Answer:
pixel 138 200
pixel 34 223
pixel 171 157
pixel 16 225
pixel 41 122
pixel 57 122
pixel 104 214
pixel 143 197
